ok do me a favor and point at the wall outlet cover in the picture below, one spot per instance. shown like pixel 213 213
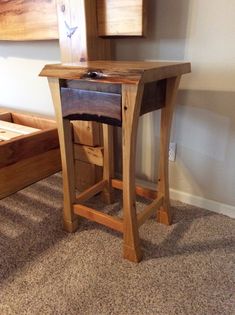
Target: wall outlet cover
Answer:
pixel 172 151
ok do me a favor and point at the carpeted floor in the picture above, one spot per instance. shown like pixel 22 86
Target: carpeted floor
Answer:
pixel 188 268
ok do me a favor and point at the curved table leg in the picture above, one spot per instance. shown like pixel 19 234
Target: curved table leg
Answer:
pixel 66 149
pixel 163 214
pixel 131 101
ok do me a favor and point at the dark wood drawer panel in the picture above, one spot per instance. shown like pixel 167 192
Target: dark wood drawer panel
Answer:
pixel 92 86
pixel 153 96
pixel 91 105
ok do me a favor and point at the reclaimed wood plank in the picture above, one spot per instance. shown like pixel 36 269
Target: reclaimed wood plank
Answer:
pixel 24 20
pixel 164 212
pixel 124 72
pixel 78 31
pixel 88 154
pixel 139 190
pixel 25 172
pixel 90 192
pixel 149 210
pixel 86 133
pixel 86 174
pixel 66 152
pixel 8 135
pixel 27 146
pixel 112 222
pixel 33 121
pixel 6 116
pixel 75 101
pixel 20 129
pixel 121 18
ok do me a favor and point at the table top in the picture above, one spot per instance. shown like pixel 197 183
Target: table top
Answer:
pixel 131 72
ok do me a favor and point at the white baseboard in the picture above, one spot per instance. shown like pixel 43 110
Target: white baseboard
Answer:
pixel 203 203
pixel 196 200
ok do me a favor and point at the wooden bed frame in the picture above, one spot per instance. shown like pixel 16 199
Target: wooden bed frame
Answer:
pixel 28 158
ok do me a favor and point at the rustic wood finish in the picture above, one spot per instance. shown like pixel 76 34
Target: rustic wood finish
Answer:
pixel 99 217
pixel 22 130
pixel 86 174
pixel 97 104
pixel 121 18
pixel 86 132
pixel 33 121
pixel 8 135
pixel 93 155
pixel 29 157
pixel 163 214
pixel 145 86
pixel 27 146
pixel 149 210
pixel 131 103
pixel 79 41
pixel 91 86
pixel 139 190
pixel 28 20
pixel 92 191
pixel 6 116
pixel 78 31
pixel 122 72
pixel 25 172
pixel 66 149
pixel 37 20
pixel 153 97
pixel 99 101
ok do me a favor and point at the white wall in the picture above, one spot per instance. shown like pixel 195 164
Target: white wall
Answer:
pixel 201 31
pixel 20 85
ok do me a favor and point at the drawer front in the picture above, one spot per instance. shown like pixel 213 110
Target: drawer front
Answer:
pixel 91 105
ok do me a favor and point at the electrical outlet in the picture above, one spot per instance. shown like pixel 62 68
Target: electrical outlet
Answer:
pixel 172 151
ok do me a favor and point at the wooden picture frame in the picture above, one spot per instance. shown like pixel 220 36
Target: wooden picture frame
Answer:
pixel 26 20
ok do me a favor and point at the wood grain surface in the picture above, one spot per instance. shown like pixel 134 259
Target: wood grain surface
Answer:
pixel 78 36
pixel 26 146
pixel 78 32
pixel 29 157
pixel 28 20
pixel 28 171
pixel 24 130
pixel 88 154
pixel 37 20
pixel 33 121
pixel 81 102
pixel 86 132
pixel 121 18
pixel 129 72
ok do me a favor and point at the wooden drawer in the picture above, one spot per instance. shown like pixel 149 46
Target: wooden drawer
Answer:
pixel 82 100
pixel 91 105
pixel 95 101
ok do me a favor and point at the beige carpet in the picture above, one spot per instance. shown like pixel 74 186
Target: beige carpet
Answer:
pixel 188 268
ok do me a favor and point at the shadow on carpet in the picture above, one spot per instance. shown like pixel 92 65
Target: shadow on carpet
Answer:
pixel 188 268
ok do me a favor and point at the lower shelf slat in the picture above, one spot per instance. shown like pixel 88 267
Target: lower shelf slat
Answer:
pixel 148 210
pixel 99 217
pixel 90 192
pixel 141 191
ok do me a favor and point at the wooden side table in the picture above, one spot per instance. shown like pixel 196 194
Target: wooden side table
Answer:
pixel 115 93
